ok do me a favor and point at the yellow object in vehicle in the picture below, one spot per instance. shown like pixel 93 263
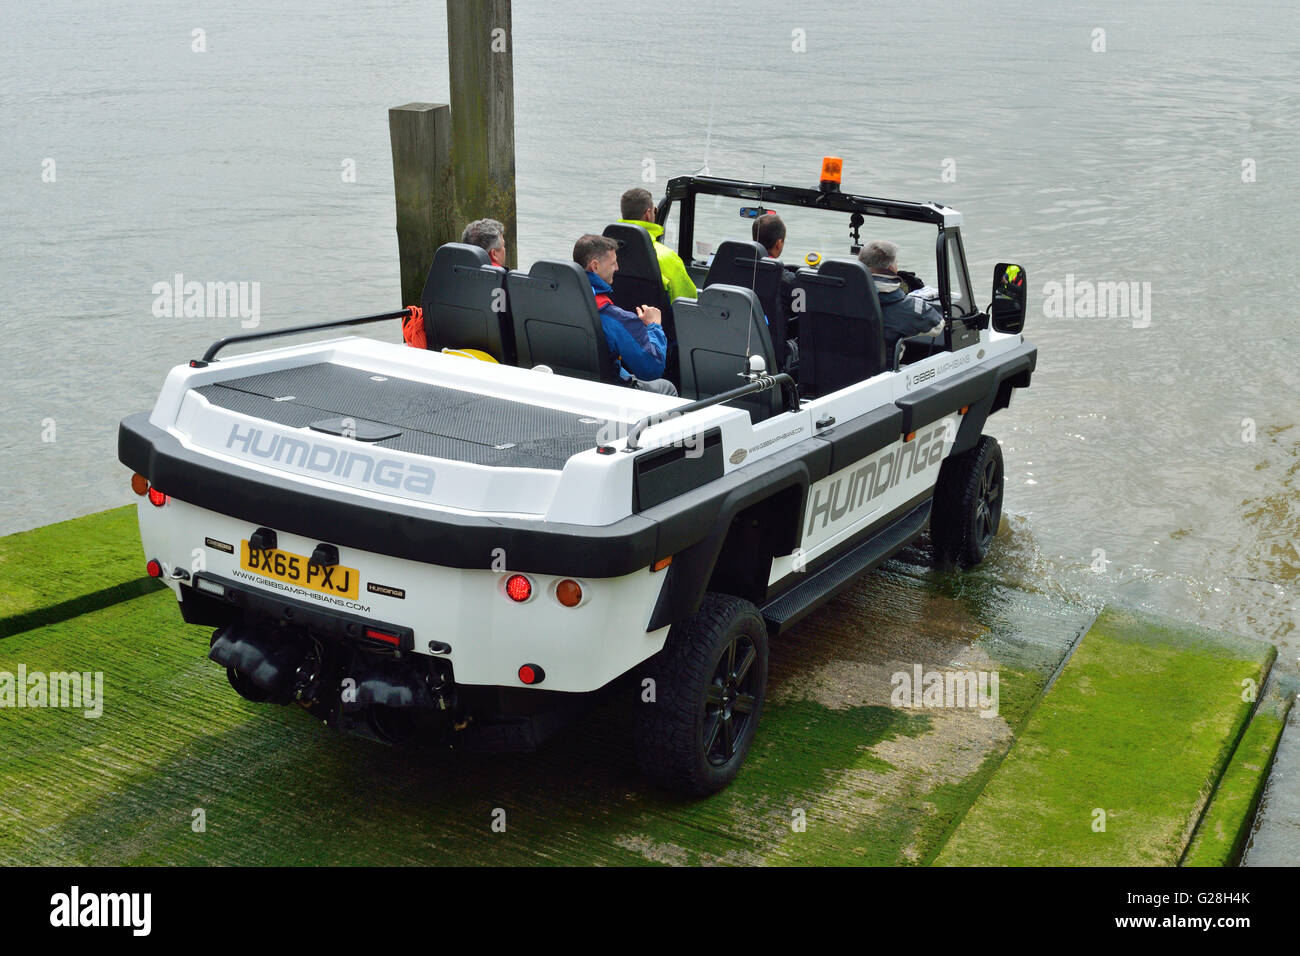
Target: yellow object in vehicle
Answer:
pixel 472 353
pixel 813 259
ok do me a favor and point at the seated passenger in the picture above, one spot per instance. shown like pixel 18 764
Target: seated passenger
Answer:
pixel 637 208
pixel 490 235
pixel 769 232
pixel 636 341
pixel 904 315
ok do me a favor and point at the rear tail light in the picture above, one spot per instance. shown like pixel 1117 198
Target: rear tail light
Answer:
pixel 568 593
pixel 382 636
pixel 518 588
pixel 154 568
pixel 531 674
pixel 157 498
pixel 139 484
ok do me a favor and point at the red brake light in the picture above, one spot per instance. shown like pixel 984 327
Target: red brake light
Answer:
pixel 154 568
pixel 382 636
pixel 157 498
pixel 519 588
pixel 531 674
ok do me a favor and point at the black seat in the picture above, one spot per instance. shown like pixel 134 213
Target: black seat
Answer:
pixel 556 322
pixel 841 332
pixel 638 281
pixel 747 265
pixel 464 303
pixel 718 332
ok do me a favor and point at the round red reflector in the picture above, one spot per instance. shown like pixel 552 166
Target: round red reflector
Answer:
pixel 154 568
pixel 527 675
pixel 568 593
pixel 139 483
pixel 157 498
pixel 519 588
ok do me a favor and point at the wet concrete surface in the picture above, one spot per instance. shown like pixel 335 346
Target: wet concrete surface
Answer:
pixel 1276 840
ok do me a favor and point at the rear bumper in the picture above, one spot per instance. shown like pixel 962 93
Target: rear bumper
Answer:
pixel 459 615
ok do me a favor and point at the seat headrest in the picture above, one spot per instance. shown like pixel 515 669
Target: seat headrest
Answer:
pixel 629 235
pixel 560 277
pixel 851 270
pixel 563 272
pixel 741 247
pixel 730 299
pixel 461 254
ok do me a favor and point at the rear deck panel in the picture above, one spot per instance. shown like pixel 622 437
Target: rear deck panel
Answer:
pixel 432 420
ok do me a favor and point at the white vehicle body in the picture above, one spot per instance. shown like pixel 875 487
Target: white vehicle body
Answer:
pixel 401 539
pixel 584 647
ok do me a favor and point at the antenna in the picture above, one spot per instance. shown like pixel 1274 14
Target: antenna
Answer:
pixel 753 279
pixel 708 134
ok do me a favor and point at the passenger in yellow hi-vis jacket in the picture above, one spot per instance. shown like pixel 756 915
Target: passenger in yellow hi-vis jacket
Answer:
pixel 637 208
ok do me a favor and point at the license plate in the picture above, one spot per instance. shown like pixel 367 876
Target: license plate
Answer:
pixel 295 569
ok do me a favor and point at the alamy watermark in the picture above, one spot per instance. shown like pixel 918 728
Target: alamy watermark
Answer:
pixel 69 690
pixel 75 908
pixel 1086 299
pixel 965 690
pixel 616 429
pixel 208 300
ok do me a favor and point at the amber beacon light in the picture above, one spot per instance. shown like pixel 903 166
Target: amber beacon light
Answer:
pixel 832 169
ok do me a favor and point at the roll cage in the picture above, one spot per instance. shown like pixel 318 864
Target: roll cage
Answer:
pixel 948 244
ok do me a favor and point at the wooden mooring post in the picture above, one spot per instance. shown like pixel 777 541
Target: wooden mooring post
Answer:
pixel 454 164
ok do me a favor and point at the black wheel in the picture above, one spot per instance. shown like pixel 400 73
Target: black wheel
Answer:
pixel 245 687
pixel 710 681
pixel 967 505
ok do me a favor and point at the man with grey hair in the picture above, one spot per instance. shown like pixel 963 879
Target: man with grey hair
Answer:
pixel 905 315
pixel 489 235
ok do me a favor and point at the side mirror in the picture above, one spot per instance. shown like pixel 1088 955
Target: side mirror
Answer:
pixel 1009 297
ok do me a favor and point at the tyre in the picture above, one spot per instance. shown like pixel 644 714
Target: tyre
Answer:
pixel 967 505
pixel 710 681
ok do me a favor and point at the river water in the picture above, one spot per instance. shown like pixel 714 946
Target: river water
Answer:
pixel 1153 463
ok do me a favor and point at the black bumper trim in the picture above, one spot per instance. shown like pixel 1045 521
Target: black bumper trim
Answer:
pixel 862 436
pixel 335 623
pixel 935 401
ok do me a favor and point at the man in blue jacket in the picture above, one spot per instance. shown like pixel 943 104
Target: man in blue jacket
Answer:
pixel 636 341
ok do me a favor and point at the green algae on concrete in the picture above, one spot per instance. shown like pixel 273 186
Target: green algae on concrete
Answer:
pixel 837 775
pixel 61 570
pixel 1116 764
pixel 1222 831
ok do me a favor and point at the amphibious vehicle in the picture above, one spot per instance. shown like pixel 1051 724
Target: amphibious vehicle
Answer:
pixel 411 542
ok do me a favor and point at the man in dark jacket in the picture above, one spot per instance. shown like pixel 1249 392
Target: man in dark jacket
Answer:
pixel 905 315
pixel 636 341
pixel 769 232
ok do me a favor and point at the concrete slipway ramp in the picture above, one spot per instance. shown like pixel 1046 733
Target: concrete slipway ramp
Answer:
pixel 839 774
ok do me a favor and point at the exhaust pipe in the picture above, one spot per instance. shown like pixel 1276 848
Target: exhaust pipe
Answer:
pixel 397 691
pixel 259 669
pixel 388 701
